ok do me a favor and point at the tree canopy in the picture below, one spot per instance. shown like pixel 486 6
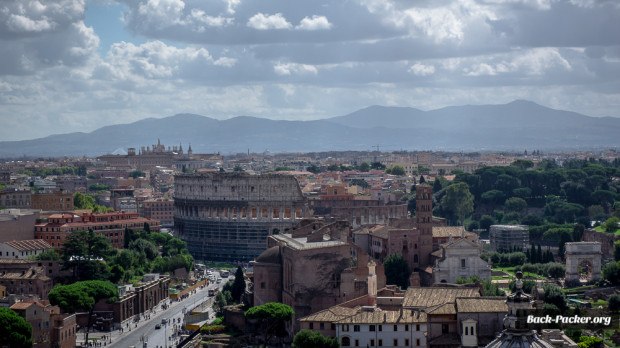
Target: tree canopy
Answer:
pixel 397 270
pixel 458 202
pixel 238 286
pixel 271 318
pixel 312 339
pixel 15 331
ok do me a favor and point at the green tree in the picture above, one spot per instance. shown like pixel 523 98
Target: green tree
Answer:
pixel 486 221
pixel 364 167
pixel 84 251
pixel 238 286
pixel 611 272
pixel 48 255
pixel 271 319
pixel 397 170
pixel 83 201
pixel 614 303
pixel 397 271
pixel 590 342
pixel 555 296
pixel 145 246
pixel 82 296
pixel 458 202
pixel 611 224
pixel 136 174
pixel 377 165
pixel 556 270
pixel 617 250
pixel 313 339
pixel 15 331
pixel 493 197
pixel 314 169
pixel 515 204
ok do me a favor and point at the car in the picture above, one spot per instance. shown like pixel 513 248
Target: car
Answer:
pixel 158 326
pixel 164 321
pixel 219 280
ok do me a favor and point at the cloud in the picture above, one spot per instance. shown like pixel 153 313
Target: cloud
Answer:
pixel 314 23
pixel 422 70
pixel 285 69
pixel 261 21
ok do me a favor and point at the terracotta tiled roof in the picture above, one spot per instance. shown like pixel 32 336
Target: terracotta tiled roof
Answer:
pixel 331 314
pixel 435 296
pixel 385 317
pixel 447 231
pixel 28 245
pixel 447 308
pixel 481 305
pixel 21 305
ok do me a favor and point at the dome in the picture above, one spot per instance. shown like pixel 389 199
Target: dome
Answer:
pixel 271 255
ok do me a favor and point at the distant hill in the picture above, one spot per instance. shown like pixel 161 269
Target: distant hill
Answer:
pixel 517 125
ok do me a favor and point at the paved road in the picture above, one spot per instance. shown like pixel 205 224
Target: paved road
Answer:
pixel 146 328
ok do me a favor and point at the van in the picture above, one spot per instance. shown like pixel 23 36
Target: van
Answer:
pixel 164 321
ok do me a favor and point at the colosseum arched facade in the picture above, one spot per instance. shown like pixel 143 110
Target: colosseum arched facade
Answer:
pixel 228 216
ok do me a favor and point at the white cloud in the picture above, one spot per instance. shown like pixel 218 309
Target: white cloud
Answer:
pixel 211 21
pixel 285 69
pixel 164 13
pixel 314 23
pixel 533 62
pixel 19 23
pixel 261 21
pixel 420 69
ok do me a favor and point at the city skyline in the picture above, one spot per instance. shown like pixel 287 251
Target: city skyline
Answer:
pixel 77 65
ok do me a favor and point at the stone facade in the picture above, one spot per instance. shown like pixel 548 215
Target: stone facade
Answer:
pixel 228 216
pixel 54 201
pixel 24 278
pixel 50 328
pixel 583 256
pixel 158 209
pixel 17 224
pixel 313 268
pixel 606 239
pixel 460 258
pixel 15 198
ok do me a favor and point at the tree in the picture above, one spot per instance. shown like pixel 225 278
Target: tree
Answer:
pixel 377 165
pixel 555 296
pixel 486 221
pixel 458 201
pixel 82 296
pixel 515 204
pixel 312 339
pixel 397 170
pixel 611 224
pixel 437 186
pixel 83 201
pixel 314 169
pixel 364 167
pixel 83 251
pixel 611 272
pixel 556 270
pixel 271 318
pixel 614 303
pixel 590 342
pixel 220 302
pixel 397 271
pixel 617 250
pixel 238 286
pixel 48 255
pixel 15 331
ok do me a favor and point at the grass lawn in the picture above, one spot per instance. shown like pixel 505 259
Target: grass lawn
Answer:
pixel 602 230
pixel 511 272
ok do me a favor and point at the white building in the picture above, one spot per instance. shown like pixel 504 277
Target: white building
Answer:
pixel 23 249
pixel 459 258
pixel 373 327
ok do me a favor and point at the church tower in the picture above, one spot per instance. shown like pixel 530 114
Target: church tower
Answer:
pixel 424 220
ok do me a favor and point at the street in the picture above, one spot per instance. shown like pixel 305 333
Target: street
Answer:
pixel 145 331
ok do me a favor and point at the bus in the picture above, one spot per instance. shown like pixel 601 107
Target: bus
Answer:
pixel 224 274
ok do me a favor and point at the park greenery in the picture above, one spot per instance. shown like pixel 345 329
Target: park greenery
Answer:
pixel 82 296
pixel 15 331
pixel 90 255
pixel 548 195
pixel 87 201
pixel 487 287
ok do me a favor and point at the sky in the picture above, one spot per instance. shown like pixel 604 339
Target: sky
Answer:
pixel 75 65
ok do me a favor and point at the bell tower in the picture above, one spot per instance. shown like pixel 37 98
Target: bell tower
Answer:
pixel 424 220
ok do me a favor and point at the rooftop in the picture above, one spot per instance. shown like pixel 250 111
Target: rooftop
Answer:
pixel 29 244
pixel 436 296
pixel 481 305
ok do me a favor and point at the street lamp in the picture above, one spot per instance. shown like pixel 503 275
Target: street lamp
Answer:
pixel 166 333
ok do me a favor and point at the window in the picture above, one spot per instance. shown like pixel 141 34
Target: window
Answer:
pixel 380 327
pixel 444 328
pixel 311 326
pixel 356 328
pixel 406 327
pixel 372 328
pixel 395 327
pixel 346 341
pixel 462 263
pixel 262 285
pixel 417 327
pixel 357 343
pixel 380 343
pixel 395 342
pixel 333 326
pixel 345 327
pixel 417 342
pixel 406 342
pixel 372 343
pixel 321 326
pixel 466 331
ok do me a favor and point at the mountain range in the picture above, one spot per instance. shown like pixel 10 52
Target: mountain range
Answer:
pixel 518 125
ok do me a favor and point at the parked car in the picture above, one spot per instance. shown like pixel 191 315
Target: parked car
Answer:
pixel 158 326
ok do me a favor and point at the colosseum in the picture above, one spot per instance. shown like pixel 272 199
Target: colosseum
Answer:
pixel 228 216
